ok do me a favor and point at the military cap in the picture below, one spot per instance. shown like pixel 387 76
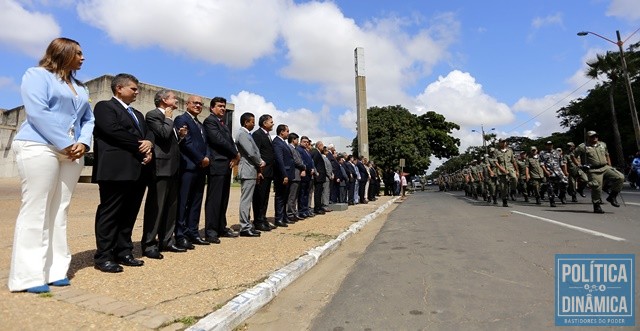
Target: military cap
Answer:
pixel 533 148
pixel 549 142
pixel 501 140
pixel 571 144
pixel 591 133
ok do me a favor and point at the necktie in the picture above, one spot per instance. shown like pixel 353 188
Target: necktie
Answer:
pixel 130 111
pixel 222 122
pixel 199 126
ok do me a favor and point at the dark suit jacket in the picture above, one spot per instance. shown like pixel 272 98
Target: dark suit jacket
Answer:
pixel 364 173
pixel 284 165
pixel 193 147
pixel 308 162
pixel 266 151
pixel 116 141
pixel 166 149
pixel 221 146
pixel 321 176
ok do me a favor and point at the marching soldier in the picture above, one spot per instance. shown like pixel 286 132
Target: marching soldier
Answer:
pixel 524 175
pixel 555 170
pixel 505 162
pixel 577 177
pixel 535 173
pixel 597 164
pixel 489 180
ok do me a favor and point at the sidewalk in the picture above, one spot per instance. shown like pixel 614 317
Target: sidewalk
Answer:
pixel 169 294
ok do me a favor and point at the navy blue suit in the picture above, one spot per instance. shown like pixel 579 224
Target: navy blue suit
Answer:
pixel 303 196
pixel 282 167
pixel 222 149
pixel 193 150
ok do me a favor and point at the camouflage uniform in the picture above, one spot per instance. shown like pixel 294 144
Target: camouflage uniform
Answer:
pixel 577 178
pixel 596 157
pixel 507 179
pixel 489 179
pixel 536 174
pixel 522 178
pixel 553 163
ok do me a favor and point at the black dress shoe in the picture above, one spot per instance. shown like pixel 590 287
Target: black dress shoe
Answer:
pixel 228 233
pixel 281 224
pixel 327 209
pixel 310 214
pixel 271 226
pixel 249 233
pixel 153 254
pixel 185 243
pixel 199 241
pixel 109 266
pixel 130 261
pixel 262 227
pixel 301 216
pixel 213 240
pixel 175 249
pixel 319 212
pixel 290 220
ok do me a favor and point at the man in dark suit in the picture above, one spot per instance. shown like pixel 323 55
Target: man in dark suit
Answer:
pixel 283 173
pixel 303 195
pixel 161 206
pixel 320 178
pixel 364 178
pixel 224 156
pixel 263 186
pixel 294 182
pixel 194 165
pixel 123 152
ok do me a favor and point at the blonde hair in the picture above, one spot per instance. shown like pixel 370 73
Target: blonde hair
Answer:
pixel 58 58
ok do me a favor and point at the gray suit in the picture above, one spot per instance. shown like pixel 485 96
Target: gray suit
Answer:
pixel 248 173
pixel 294 184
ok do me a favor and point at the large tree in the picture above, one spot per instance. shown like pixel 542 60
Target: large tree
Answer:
pixel 395 133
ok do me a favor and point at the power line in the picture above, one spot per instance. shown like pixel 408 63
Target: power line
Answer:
pixel 556 103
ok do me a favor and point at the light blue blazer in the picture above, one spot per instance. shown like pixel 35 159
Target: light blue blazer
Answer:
pixel 53 110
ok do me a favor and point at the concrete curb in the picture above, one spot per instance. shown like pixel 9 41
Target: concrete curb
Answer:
pixel 250 301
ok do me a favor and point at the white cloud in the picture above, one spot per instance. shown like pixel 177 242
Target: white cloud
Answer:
pixel 627 9
pixel 7 83
pixel 320 43
pixel 302 121
pixel 539 22
pixel 229 32
pixel 541 114
pixel 461 100
pixel 348 120
pixel 24 31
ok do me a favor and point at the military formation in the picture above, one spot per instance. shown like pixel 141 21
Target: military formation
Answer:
pixel 551 174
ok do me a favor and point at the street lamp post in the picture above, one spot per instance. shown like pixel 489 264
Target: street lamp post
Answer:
pixel 632 103
pixel 484 141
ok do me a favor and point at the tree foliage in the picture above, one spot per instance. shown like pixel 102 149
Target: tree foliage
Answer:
pixel 395 133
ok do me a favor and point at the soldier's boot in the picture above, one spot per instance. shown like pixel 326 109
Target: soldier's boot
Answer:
pixel 504 203
pixel 538 201
pixel 513 196
pixel 580 190
pixel 574 198
pixel 526 198
pixel 597 209
pixel 562 199
pixel 552 202
pixel 612 199
pixel 495 200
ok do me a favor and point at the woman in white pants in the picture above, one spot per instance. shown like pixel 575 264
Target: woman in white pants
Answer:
pixel 49 148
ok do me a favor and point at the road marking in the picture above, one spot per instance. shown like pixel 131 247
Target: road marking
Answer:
pixel 632 203
pixel 591 232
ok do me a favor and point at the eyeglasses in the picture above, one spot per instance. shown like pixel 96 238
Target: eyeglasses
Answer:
pixel 197 103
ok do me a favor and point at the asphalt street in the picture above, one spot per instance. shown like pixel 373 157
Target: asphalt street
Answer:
pixel 443 261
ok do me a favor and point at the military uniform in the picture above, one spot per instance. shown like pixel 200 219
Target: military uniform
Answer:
pixel 522 178
pixel 596 160
pixel 507 178
pixel 552 162
pixel 536 174
pixel 577 178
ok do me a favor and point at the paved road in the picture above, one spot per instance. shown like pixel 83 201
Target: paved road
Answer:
pixel 445 262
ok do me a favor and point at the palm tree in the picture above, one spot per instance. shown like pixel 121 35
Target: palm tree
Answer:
pixel 609 65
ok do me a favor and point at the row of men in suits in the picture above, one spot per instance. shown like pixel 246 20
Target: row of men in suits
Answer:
pixel 355 180
pixel 171 158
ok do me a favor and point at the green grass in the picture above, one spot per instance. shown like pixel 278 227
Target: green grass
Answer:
pixel 187 320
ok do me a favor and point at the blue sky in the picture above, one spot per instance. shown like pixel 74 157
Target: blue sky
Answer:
pixel 503 64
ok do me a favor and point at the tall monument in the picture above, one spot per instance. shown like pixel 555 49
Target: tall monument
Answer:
pixel 361 104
